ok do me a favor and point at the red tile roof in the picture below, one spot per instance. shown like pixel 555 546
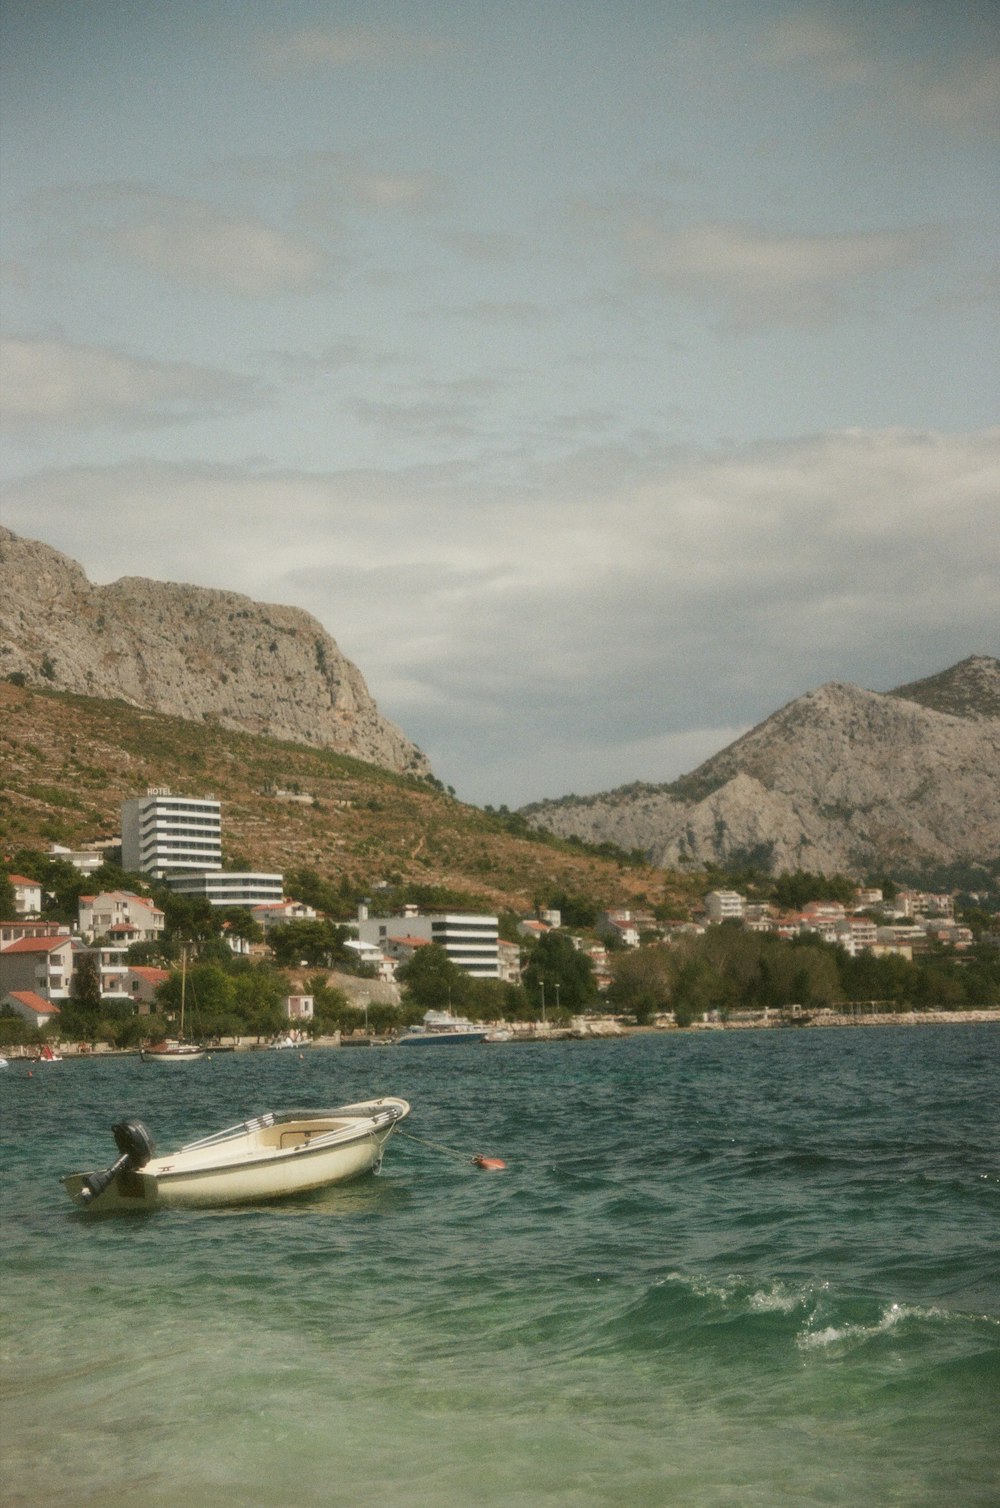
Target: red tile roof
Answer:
pixel 34 1002
pixel 36 944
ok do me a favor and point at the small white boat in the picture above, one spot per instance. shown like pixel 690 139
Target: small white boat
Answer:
pixel 442 1028
pixel 46 1055
pixel 277 1154
pixel 173 1052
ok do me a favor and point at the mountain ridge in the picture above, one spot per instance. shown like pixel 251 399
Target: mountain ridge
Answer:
pixel 187 651
pixel 839 780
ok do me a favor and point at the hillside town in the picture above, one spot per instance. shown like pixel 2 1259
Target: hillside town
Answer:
pixel 176 842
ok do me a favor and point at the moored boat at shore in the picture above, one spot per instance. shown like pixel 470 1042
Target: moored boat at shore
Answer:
pixel 275 1155
pixel 173 1052
pixel 441 1028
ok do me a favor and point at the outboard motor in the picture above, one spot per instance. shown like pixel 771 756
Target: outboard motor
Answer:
pixel 136 1147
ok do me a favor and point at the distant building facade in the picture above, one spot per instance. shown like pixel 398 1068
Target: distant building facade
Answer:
pixel 724 905
pixel 223 887
pixel 27 895
pixel 163 834
pixel 120 914
pixel 471 942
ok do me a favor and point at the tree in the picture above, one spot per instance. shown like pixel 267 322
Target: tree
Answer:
pixel 257 997
pixel 187 916
pixel 320 944
pixel 642 982
pixel 331 1009
pixel 85 990
pixel 432 981
pixel 559 973
pixel 239 921
pixel 16 1032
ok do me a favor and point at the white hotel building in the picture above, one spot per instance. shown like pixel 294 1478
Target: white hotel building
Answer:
pixel 471 942
pixel 164 834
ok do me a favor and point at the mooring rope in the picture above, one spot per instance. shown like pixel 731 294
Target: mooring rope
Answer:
pixel 436 1146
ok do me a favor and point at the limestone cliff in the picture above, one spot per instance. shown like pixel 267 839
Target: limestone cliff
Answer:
pixel 840 780
pixel 189 651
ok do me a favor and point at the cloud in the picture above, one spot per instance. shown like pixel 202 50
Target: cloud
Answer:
pixel 194 243
pixel 391 191
pixel 49 382
pixel 576 628
pixel 965 97
pixel 759 276
pixel 185 240
pixel 348 47
pixel 948 78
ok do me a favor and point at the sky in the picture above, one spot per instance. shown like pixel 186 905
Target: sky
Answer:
pixel 601 375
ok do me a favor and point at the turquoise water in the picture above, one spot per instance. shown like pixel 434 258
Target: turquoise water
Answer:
pixel 722 1268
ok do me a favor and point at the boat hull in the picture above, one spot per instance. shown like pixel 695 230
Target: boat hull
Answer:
pixel 441 1039
pixel 172 1058
pixel 272 1158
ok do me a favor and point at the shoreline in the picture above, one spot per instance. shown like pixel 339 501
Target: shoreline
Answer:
pixel 599 1032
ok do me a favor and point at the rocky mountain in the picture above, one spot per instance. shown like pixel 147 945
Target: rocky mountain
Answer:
pixel 192 652
pixel 840 780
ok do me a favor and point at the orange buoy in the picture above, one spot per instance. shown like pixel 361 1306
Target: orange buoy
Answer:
pixel 494 1164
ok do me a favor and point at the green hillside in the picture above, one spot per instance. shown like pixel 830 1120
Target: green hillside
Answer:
pixel 68 763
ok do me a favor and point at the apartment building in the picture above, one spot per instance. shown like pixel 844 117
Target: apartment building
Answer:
pixel 724 905
pixel 471 942
pixel 163 834
pixel 224 887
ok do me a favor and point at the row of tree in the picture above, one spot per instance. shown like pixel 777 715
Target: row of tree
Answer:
pixel 727 969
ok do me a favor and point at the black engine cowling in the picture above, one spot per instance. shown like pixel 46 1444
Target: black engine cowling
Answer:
pixel 133 1141
pixel 136 1147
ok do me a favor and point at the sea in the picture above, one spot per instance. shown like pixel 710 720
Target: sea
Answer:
pixel 719 1268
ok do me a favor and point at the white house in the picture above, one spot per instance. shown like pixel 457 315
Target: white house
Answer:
pixel 32 1008
pixel 42 964
pixel 27 895
pixel 84 859
pixel 141 985
pixel 510 962
pixel 280 913
pixel 120 915
pixel 371 954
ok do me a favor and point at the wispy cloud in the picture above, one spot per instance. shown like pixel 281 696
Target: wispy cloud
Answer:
pixel 759 276
pixel 57 382
pixel 385 190
pixel 186 240
pixel 346 47
pixel 953 85
pixel 195 243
